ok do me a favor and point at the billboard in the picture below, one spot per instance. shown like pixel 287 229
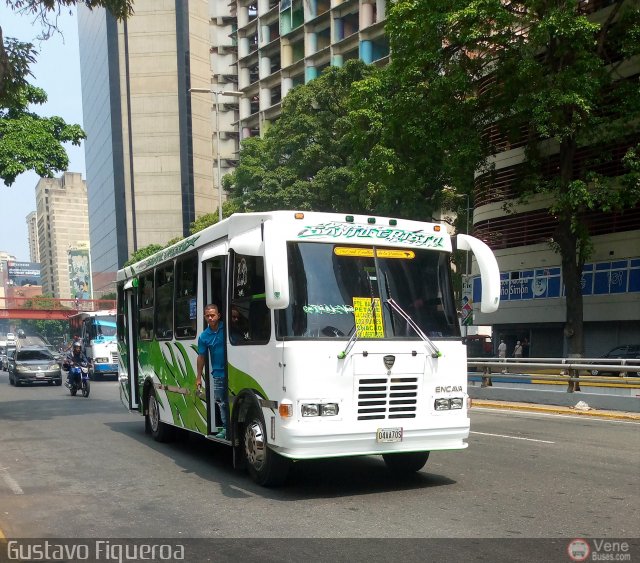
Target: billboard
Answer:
pixel 23 273
pixel 80 274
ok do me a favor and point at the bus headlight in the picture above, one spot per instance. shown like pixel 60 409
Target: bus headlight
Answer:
pixel 329 409
pixel 456 403
pixel 310 409
pixel 102 360
pixel 441 405
pixel 448 404
pixel 319 409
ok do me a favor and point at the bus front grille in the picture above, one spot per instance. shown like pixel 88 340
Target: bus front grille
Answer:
pixel 387 398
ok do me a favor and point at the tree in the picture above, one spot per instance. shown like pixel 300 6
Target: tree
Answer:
pixel 29 141
pixel 304 160
pixel 143 253
pixel 547 69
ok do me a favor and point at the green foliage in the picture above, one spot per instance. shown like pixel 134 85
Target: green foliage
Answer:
pixel 546 75
pixel 305 159
pixel 143 253
pixel 29 141
pixel 53 331
pixel 203 222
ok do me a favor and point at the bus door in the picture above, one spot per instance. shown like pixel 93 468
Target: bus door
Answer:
pixel 130 385
pixel 214 270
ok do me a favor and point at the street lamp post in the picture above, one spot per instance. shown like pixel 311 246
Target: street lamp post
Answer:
pixel 217 94
pixel 466 266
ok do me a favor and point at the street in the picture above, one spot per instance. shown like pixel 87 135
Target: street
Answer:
pixel 76 467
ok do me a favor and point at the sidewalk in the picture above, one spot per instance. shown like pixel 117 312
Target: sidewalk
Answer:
pixel 553 409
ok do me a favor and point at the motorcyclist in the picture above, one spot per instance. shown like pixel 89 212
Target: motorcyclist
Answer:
pixel 75 357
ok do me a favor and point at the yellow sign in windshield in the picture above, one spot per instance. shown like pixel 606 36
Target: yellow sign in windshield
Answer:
pixel 368 252
pixel 353 251
pixel 368 317
pixel 395 253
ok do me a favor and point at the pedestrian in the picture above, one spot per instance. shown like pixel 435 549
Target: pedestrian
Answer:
pixel 517 351
pixel 525 348
pixel 212 340
pixel 502 352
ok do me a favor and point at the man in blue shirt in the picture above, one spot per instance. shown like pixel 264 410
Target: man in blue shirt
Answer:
pixel 212 339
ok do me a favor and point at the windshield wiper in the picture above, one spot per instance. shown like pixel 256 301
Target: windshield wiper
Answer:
pixel 354 337
pixel 435 353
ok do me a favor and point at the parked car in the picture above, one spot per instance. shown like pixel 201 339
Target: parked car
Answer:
pixel 9 350
pixel 11 336
pixel 32 364
pixel 627 352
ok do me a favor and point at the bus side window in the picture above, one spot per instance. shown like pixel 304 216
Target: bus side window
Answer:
pixel 248 298
pixel 145 306
pixel 185 300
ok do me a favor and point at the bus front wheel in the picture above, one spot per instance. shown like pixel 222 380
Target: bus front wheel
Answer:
pixel 405 463
pixel 266 467
pixel 160 431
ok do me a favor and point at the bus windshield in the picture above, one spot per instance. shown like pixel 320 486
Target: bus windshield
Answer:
pixel 337 288
pixel 104 327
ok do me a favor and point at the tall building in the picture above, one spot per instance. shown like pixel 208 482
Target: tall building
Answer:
pixel 32 235
pixel 63 224
pixel 149 139
pixel 285 43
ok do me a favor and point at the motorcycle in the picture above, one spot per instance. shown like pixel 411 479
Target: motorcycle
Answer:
pixel 79 379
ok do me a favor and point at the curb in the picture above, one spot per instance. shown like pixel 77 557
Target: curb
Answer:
pixel 503 405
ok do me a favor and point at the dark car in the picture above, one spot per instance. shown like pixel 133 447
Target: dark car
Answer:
pixel 624 352
pixel 33 364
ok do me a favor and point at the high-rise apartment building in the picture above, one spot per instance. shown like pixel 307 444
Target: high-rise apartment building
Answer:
pixel 32 235
pixel 285 43
pixel 63 225
pixel 149 148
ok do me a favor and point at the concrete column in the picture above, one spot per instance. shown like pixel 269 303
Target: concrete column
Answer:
pixel 366 15
pixel 245 108
pixel 286 54
pixel 310 44
pixel 243 16
pixel 310 72
pixel 381 10
pixel 313 9
pixel 243 47
pixel 246 132
pixel 338 29
pixel 287 84
pixel 263 7
pixel 265 98
pixel 265 67
pixel 243 78
pixel 265 34
pixel 366 51
pixel 337 60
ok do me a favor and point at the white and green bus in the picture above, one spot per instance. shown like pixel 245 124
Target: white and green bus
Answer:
pixel 348 341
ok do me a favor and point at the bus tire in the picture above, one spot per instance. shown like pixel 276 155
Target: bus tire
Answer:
pixel 266 467
pixel 160 431
pixel 405 463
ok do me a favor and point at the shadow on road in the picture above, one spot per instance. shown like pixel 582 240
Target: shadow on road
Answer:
pixel 308 479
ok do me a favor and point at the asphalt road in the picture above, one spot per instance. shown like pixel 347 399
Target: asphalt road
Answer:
pixel 76 467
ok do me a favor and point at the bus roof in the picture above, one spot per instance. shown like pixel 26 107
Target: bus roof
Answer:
pixel 310 226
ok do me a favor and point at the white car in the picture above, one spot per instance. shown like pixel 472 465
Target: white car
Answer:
pixel 10 336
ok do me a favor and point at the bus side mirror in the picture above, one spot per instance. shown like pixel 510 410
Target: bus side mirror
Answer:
pixel 276 269
pixel 489 271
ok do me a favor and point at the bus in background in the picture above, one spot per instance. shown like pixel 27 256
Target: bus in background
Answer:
pixel 341 338
pixel 97 332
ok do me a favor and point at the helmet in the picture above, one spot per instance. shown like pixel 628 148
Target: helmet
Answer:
pixel 77 345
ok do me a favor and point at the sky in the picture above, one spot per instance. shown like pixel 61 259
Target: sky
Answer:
pixel 57 71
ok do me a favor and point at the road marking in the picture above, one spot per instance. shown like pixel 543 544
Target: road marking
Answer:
pixel 513 437
pixel 11 482
pixel 556 414
pixel 244 491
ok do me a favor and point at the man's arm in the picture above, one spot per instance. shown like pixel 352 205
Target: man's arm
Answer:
pixel 200 369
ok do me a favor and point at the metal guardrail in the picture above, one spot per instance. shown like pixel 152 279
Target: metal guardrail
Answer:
pixel 569 369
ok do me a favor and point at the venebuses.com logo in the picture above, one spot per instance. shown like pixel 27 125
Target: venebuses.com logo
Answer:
pixel 598 550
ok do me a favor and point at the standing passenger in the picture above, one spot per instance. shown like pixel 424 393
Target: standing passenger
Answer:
pixel 212 339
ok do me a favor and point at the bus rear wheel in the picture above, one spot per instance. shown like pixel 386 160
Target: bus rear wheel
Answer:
pixel 405 463
pixel 266 467
pixel 160 431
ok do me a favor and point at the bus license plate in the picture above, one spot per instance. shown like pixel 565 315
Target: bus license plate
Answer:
pixel 388 435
